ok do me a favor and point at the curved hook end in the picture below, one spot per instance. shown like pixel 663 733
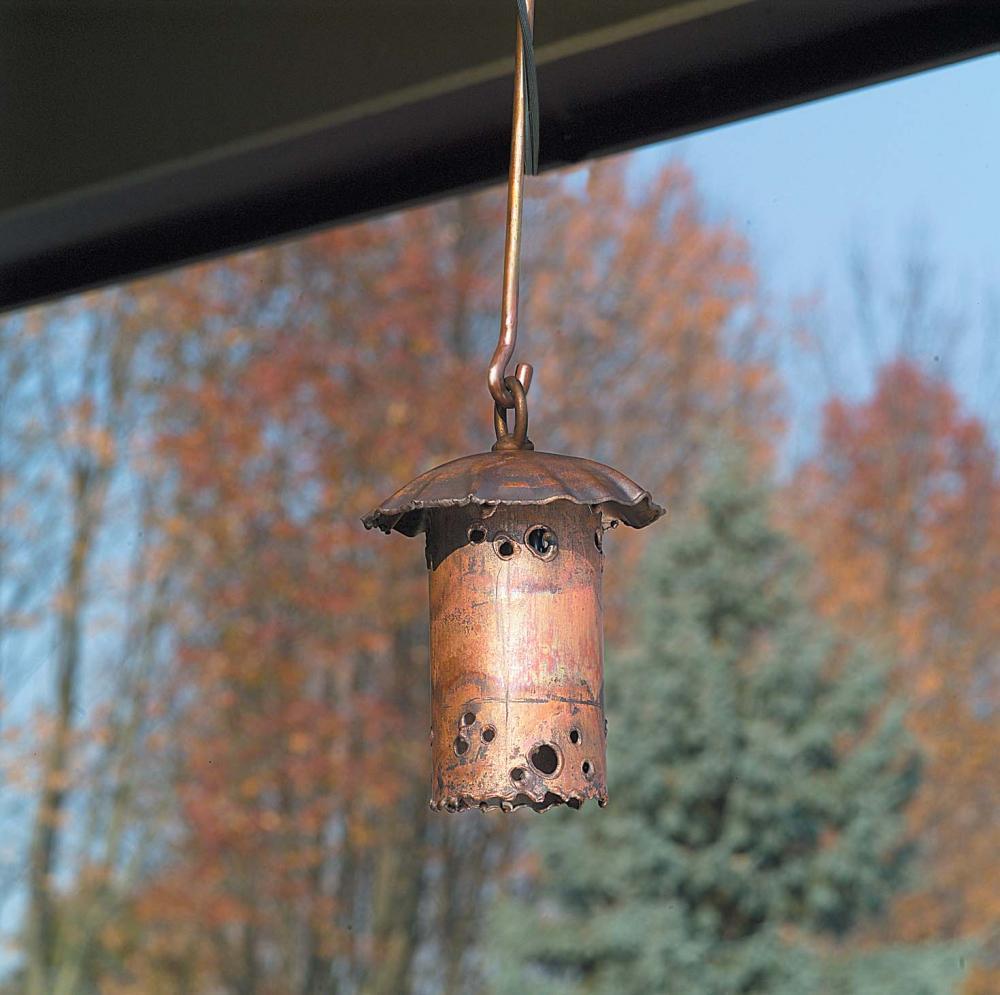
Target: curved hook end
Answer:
pixel 497 377
pixel 524 372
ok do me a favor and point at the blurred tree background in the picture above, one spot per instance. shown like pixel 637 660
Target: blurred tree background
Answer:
pixel 213 692
pixel 761 776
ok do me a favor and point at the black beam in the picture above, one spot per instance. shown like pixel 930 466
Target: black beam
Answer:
pixel 600 101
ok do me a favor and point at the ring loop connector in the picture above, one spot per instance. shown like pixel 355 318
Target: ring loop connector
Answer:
pixel 508 441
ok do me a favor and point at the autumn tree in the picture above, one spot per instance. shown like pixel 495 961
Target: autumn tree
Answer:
pixel 301 788
pixel 72 394
pixel 230 790
pixel 901 507
pixel 305 383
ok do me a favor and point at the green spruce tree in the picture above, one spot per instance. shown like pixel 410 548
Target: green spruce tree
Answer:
pixel 758 774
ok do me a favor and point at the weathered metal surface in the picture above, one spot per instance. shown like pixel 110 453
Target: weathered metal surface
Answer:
pixel 517 673
pixel 521 477
pixel 514 551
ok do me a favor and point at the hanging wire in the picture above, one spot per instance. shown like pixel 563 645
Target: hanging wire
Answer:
pixel 526 44
pixel 523 155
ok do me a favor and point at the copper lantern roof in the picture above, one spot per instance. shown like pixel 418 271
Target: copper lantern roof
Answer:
pixel 519 477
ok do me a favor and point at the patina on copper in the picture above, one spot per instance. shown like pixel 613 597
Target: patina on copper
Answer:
pixel 514 553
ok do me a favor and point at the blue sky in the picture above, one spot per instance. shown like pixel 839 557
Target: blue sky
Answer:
pixel 911 160
pixel 921 151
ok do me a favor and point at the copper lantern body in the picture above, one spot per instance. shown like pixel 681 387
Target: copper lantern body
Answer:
pixel 514 549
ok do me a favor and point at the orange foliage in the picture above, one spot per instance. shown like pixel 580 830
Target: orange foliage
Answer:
pixel 303 384
pixel 902 510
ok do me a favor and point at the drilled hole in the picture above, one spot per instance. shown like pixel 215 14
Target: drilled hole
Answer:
pixel 574 736
pixel 468 718
pixel 477 533
pixel 505 547
pixel 544 759
pixel 542 541
pixel 461 745
pixel 517 774
pixel 586 768
pixel 489 734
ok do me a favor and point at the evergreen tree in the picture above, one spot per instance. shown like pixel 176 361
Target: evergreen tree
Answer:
pixel 758 775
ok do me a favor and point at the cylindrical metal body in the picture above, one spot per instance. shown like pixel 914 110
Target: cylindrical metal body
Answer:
pixel 517 669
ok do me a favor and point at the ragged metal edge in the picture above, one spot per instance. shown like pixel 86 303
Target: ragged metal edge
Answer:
pixel 514 800
pixel 515 478
pixel 411 519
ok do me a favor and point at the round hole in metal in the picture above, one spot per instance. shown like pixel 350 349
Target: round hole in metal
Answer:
pixel 586 768
pixel 544 759
pixel 489 734
pixel 504 546
pixel 477 534
pixel 574 736
pixel 542 541
pixel 468 718
pixel 461 745
pixel 517 774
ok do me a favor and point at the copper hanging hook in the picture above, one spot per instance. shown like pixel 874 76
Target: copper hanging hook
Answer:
pixel 512 247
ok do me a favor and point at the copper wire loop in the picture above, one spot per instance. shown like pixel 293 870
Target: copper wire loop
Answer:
pixel 518 439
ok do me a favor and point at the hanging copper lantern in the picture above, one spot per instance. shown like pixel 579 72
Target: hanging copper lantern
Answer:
pixel 514 553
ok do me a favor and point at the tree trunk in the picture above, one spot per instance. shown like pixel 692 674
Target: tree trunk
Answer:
pixel 399 875
pixel 42 928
